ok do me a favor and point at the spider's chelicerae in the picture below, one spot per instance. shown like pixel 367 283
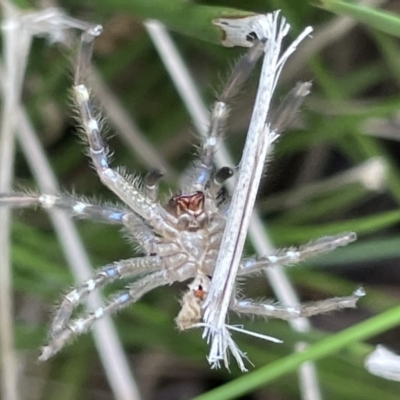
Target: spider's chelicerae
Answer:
pixel 179 240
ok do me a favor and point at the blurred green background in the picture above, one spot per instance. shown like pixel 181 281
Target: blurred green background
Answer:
pixel 352 117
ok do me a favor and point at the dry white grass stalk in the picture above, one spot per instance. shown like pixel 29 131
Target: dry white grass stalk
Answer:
pixel 16 42
pixel 260 138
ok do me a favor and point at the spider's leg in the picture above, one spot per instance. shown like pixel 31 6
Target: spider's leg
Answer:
pixel 122 300
pixel 269 309
pixel 219 179
pixel 127 190
pixel 151 181
pixel 79 208
pixel 141 232
pixel 296 255
pixel 219 113
pixel 107 274
pixel 284 115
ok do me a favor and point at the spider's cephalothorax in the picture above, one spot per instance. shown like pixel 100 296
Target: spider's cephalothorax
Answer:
pixel 195 236
pixel 179 242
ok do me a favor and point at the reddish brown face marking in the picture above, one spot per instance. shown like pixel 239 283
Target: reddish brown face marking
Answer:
pixel 192 204
pixel 199 293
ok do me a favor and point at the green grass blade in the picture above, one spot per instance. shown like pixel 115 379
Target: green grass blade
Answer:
pixel 180 16
pixel 383 21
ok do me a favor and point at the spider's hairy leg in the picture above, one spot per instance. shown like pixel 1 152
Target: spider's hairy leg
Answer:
pixel 82 209
pixel 219 112
pixel 284 115
pixel 129 192
pixel 219 178
pixel 297 255
pixel 268 309
pixel 141 232
pixel 151 181
pixel 86 52
pixel 19 200
pixel 122 300
pixel 105 275
pixel 79 208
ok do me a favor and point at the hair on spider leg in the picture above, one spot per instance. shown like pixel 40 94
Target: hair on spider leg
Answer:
pixel 216 184
pixel 289 107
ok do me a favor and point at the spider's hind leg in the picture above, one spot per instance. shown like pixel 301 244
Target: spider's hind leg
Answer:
pixel 107 274
pixel 269 309
pixel 122 300
pixel 295 255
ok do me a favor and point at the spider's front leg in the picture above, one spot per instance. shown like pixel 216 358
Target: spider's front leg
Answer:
pixel 79 208
pixel 219 115
pixel 128 190
pixel 82 209
pixel 269 309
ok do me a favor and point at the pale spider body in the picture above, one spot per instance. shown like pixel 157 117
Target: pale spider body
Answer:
pixel 191 244
pixel 179 241
pixel 198 232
